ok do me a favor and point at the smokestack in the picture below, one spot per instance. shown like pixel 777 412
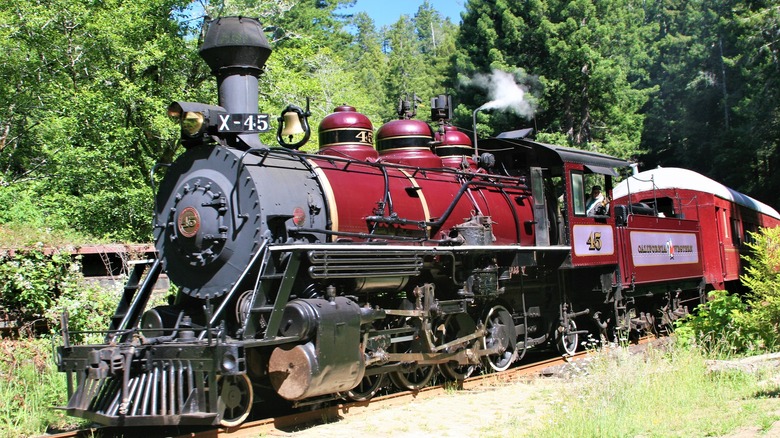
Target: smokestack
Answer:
pixel 236 49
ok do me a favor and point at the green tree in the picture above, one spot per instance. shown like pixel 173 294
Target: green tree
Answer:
pixel 689 122
pixel 406 66
pixel 582 59
pixel 83 118
pixel 86 120
pixel 715 65
pixel 673 51
pixel 755 101
pixel 418 50
pixel 436 38
pixel 369 64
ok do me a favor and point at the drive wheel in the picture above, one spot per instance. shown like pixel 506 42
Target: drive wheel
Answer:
pixel 454 327
pixel 414 379
pixel 500 335
pixel 456 371
pixel 235 399
pixel 367 388
pixel 412 376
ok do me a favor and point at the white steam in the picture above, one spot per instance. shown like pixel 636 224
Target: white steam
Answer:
pixel 504 93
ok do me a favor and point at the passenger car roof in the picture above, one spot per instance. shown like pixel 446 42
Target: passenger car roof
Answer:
pixel 675 177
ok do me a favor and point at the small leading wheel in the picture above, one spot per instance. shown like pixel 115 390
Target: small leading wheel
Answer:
pixel 235 399
pixel 567 339
pixel 501 337
pixel 367 388
pixel 456 326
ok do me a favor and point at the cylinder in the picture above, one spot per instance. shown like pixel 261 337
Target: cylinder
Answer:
pixel 331 361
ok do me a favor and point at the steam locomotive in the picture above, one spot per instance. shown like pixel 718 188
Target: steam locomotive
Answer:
pixel 307 277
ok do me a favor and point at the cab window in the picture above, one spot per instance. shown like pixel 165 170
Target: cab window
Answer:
pixel 589 194
pixel 578 193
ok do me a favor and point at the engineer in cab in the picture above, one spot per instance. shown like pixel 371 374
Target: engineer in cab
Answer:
pixel 597 202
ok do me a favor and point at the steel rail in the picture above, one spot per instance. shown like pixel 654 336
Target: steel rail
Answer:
pixel 289 423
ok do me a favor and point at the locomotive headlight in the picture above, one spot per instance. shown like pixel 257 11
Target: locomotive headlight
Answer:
pixel 194 119
pixel 192 123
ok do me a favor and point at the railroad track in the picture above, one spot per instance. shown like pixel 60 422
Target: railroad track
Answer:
pixel 316 416
pixel 282 424
pixel 341 410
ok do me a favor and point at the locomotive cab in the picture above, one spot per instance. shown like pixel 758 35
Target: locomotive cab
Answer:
pixel 561 179
pixel 592 226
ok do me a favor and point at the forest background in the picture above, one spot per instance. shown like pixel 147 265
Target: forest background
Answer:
pixel 85 85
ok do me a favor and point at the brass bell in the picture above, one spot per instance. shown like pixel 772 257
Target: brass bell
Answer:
pixel 292 124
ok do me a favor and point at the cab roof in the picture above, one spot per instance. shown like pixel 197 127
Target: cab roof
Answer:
pixel 534 153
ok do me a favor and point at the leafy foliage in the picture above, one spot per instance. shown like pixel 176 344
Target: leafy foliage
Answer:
pixel 38 286
pixel 29 386
pixel 728 324
pixel 86 84
pixel 83 118
pixel 89 307
pixel 762 277
pixel 715 67
pixel 718 325
pixel 417 50
pixel 30 281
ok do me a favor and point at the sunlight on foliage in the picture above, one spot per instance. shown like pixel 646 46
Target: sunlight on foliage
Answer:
pixel 656 393
pixel 29 387
pixel 726 323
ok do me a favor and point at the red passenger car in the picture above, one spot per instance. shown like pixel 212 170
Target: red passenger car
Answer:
pixel 723 217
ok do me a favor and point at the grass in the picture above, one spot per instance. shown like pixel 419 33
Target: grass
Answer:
pixel 660 394
pixel 29 387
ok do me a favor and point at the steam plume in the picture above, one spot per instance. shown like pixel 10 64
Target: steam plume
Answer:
pixel 504 93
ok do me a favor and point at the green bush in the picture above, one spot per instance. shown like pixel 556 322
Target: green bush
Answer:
pixel 30 281
pixel 38 287
pixel 735 324
pixel 719 326
pixel 89 308
pixel 20 207
pixel 762 277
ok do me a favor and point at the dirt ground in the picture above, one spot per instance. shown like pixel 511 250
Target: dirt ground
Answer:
pixel 467 413
pixel 464 413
